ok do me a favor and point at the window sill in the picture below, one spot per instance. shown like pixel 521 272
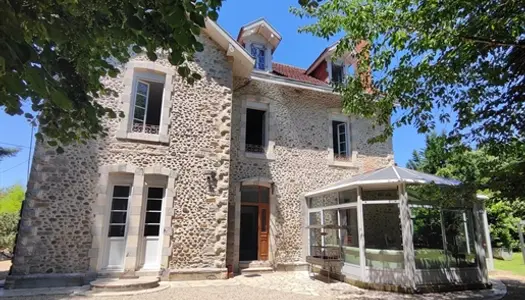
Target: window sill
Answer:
pixel 342 164
pixel 153 138
pixel 258 155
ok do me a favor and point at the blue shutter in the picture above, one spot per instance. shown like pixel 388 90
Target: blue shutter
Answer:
pixel 261 59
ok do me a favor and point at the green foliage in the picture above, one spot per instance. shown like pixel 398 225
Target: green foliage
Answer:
pixel 8 228
pixel 481 171
pixel 503 224
pixel 11 199
pixel 52 54
pixel 430 58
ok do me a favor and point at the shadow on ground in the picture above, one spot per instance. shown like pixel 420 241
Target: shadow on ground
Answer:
pixel 515 289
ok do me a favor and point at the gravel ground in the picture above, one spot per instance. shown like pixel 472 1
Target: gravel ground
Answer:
pixel 201 293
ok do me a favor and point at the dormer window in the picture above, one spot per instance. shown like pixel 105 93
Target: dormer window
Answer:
pixel 338 73
pixel 258 52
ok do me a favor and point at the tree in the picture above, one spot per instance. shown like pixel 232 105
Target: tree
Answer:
pixel 479 169
pixel 427 56
pixel 8 152
pixel 53 53
pixel 11 199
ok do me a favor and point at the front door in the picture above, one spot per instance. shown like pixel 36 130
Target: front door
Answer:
pixel 255 223
pixel 117 230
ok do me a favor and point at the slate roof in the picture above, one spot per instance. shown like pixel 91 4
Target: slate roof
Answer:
pixel 295 73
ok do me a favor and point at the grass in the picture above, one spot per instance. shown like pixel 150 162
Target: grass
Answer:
pixel 515 266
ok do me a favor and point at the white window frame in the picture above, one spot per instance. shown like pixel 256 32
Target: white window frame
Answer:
pixel 339 62
pixel 263 104
pixel 350 147
pixel 150 72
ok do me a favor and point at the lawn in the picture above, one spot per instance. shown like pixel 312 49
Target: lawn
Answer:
pixel 515 265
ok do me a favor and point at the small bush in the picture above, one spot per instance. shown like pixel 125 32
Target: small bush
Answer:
pixel 8 227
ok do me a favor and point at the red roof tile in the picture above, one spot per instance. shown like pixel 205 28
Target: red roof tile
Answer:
pixel 295 73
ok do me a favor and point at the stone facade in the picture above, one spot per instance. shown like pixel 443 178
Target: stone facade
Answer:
pixel 202 158
pixel 299 122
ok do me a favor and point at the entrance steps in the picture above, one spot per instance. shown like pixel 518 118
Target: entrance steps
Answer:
pixel 255 267
pixel 124 285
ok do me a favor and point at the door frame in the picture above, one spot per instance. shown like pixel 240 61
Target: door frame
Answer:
pixel 260 207
pixel 259 181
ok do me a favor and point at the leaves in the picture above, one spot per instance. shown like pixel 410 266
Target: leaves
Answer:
pixel 54 55
pixel 457 61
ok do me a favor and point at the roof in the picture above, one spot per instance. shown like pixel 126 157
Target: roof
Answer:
pixel 263 28
pixel 392 174
pixel 295 73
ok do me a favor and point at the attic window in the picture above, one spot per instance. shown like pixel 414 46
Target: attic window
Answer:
pixel 337 73
pixel 258 52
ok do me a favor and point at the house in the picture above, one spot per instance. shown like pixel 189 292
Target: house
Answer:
pixel 195 178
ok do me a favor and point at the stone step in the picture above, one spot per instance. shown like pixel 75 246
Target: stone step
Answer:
pixel 256 270
pixel 254 264
pixel 124 285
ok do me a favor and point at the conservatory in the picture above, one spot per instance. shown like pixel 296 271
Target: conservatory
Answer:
pixel 392 229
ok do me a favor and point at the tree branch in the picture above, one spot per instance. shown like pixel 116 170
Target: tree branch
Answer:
pixel 492 42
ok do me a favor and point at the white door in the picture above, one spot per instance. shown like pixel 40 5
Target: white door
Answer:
pixel 118 219
pixel 152 229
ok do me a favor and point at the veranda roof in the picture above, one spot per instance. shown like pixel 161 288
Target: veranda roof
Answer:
pixel 392 174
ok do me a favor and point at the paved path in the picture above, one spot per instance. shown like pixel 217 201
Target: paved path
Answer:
pixel 275 286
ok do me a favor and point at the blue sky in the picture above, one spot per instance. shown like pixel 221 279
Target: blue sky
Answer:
pixel 295 49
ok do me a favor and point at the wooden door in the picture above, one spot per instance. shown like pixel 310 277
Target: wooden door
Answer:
pixel 263 230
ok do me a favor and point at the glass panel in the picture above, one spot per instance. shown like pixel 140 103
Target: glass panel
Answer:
pixel 264 196
pixel 428 238
pixel 459 238
pixel 157 193
pixel 116 230
pixel 316 241
pixel 119 204
pixel 154 205
pixel 118 217
pixel 383 240
pixel 121 191
pixel 315 218
pixel 380 195
pixel 142 88
pixel 139 113
pixel 331 234
pixel 263 220
pixel 152 217
pixel 348 196
pixel 140 101
pixel 151 230
pixel 250 194
pixel 326 200
pixel 350 235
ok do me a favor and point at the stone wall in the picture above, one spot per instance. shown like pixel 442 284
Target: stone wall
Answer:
pixel 299 124
pixel 55 235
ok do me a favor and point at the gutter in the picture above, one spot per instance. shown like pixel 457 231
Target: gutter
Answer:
pixel 266 77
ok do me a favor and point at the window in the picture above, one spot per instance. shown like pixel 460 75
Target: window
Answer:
pixel 258 52
pixel 340 139
pixel 119 211
pixel 255 130
pixel 338 74
pixel 153 211
pixel 147 106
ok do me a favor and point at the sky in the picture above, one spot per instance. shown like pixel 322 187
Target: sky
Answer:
pixel 298 49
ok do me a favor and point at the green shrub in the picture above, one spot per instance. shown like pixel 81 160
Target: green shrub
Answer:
pixel 8 227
